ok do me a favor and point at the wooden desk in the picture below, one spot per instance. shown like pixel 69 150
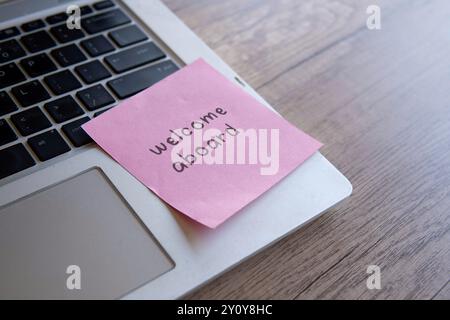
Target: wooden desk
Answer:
pixel 380 101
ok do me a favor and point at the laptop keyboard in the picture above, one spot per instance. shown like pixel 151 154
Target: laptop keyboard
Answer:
pixel 53 80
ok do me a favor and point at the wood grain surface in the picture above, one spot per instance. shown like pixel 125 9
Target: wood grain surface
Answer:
pixel 380 102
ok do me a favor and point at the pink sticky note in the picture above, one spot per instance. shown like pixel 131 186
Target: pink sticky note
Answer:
pixel 201 143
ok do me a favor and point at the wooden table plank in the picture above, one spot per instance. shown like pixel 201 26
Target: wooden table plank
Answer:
pixel 379 100
pixel 443 293
pixel 264 38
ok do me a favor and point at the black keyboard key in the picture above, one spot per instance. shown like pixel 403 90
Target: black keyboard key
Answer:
pixel 33 25
pixel 9 33
pixel 104 21
pixel 14 159
pixel 38 41
pixel 10 74
pixel 63 109
pixel 68 55
pixel 100 112
pixel 134 57
pixel 57 18
pixel 92 72
pixel 128 36
pixel 137 81
pixel 7 105
pixel 10 50
pixel 86 10
pixel 64 34
pixel 38 65
pixel 97 46
pixel 48 145
pixel 7 134
pixel 102 5
pixel 62 82
pixel 30 93
pixel 95 97
pixel 30 121
pixel 76 134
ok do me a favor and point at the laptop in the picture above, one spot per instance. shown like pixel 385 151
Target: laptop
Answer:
pixel 73 223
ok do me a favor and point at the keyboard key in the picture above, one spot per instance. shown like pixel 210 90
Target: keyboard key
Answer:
pixel 33 25
pixel 62 82
pixel 10 50
pixel 95 97
pixel 92 72
pixel 63 109
pixel 102 5
pixel 100 112
pixel 137 81
pixel 57 18
pixel 7 105
pixel 104 21
pixel 30 93
pixel 9 33
pixel 86 10
pixel 68 55
pixel 30 121
pixel 38 65
pixel 134 57
pixel 14 159
pixel 128 36
pixel 97 46
pixel 10 74
pixel 76 134
pixel 48 145
pixel 64 34
pixel 7 134
pixel 38 41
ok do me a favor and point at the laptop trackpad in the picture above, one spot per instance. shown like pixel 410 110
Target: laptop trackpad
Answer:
pixel 83 222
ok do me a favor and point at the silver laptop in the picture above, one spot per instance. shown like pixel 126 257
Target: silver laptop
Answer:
pixel 73 223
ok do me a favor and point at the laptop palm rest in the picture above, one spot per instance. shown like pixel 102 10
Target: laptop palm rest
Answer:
pixel 82 222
